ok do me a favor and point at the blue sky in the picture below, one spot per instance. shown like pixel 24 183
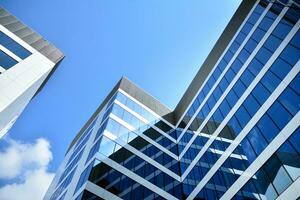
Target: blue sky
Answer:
pixel 159 45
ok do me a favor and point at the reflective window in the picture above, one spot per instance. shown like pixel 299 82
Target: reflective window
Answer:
pixel 6 61
pixel 13 46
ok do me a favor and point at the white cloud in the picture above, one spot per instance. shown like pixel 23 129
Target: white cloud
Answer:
pixel 26 165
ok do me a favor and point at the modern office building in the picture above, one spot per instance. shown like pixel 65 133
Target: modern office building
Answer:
pixel 234 134
pixel 26 63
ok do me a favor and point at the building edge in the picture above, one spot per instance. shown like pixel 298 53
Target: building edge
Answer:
pixel 174 116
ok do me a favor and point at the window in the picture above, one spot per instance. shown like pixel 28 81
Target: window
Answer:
pixel 6 61
pixel 263 55
pixel 250 45
pixel 272 43
pixel 290 100
pixel 295 140
pixel 282 29
pixel 295 84
pixel 239 88
pixel 240 37
pixel 211 81
pixel 280 115
pixel 267 127
pixel 260 93
pixel 257 141
pixel 248 150
pixel 247 27
pixel 234 46
pixel 290 159
pixel 251 105
pixel 229 75
pixel 107 146
pixel 270 81
pixel 276 171
pixel 296 40
pixel 253 17
pixel 233 123
pixel 258 34
pixel 255 66
pixel 291 54
pixel 224 107
pixel 267 21
pixel 242 116
pixel 223 84
pixel 243 56
pixel 292 15
pixel 231 98
pixel 13 46
pixel 222 65
pixel 236 65
pixel 280 68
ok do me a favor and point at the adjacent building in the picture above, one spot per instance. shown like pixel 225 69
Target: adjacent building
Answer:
pixel 26 62
pixel 234 134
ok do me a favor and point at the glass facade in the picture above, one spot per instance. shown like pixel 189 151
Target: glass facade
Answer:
pixel 239 138
pixel 6 61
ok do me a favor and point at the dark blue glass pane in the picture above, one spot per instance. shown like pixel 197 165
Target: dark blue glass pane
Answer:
pixel 242 116
pixel 257 141
pixel 260 93
pixel 229 75
pixel 231 98
pixel 295 84
pixel 234 47
pixel 250 45
pixel 279 114
pixel 228 55
pixel 4 39
pixel 13 46
pixel 281 30
pixel 236 65
pixel 295 140
pixel 248 150
pixel 224 107
pixel 255 66
pixel 261 6
pixel 211 81
pixel 263 55
pixel 222 65
pixel 211 102
pixel 257 35
pixel 253 17
pixel 251 105
pixel 239 88
pixel 233 123
pixel 280 68
pixel 217 93
pixel 272 43
pixel 223 84
pixel 275 10
pixel 247 77
pixel 267 21
pixel 291 54
pixel 267 127
pixel 6 61
pixel 292 15
pixel 240 37
pixel 217 73
pixel 296 40
pixel 206 89
pixel 290 100
pixel 270 81
pixel 247 27
pixel 244 55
